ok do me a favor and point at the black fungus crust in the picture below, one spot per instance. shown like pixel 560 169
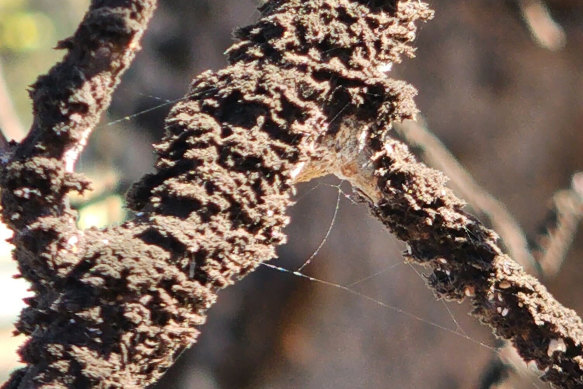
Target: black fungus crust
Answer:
pixel 113 308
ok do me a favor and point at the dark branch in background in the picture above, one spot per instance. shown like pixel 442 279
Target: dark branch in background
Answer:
pixel 306 94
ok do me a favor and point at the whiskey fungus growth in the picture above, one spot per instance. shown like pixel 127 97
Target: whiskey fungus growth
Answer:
pixel 305 94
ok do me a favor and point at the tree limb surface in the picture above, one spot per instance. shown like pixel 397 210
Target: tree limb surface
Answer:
pixel 306 93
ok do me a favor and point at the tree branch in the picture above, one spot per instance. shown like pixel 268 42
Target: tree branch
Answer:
pixel 553 242
pixel 113 308
pixel 486 206
pixel 37 174
pixel 306 94
pixel 414 203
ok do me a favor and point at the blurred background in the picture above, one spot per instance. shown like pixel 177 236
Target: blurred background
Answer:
pixel 506 102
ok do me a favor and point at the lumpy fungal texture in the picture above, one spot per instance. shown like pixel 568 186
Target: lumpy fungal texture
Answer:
pixel 115 308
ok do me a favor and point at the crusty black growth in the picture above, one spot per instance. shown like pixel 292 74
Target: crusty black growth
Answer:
pixel 113 308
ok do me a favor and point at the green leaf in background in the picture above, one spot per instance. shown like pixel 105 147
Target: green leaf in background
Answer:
pixel 23 31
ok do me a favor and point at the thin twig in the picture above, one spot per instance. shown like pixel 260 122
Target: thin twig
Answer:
pixel 545 31
pixel 9 121
pixel 557 234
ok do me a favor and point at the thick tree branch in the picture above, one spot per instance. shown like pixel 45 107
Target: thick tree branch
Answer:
pixel 306 94
pixel 113 308
pixel 37 174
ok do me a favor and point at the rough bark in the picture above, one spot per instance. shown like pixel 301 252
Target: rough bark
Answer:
pixel 113 308
pixel 306 93
pixel 36 176
pixel 466 262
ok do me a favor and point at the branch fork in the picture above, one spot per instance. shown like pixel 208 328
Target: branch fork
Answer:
pixel 306 94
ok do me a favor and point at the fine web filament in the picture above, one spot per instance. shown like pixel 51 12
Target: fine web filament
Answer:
pixel 378 302
pixel 459 331
pixel 298 273
pixel 328 232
